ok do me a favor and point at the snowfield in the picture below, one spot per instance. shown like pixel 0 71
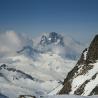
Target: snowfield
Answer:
pixel 69 96
pixel 23 75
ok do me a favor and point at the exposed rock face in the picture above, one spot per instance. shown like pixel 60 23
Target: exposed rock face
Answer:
pixel 26 96
pixel 95 91
pixel 83 78
pixel 93 50
pixel 53 37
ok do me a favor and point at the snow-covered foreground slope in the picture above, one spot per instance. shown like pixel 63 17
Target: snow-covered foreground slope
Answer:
pixel 69 96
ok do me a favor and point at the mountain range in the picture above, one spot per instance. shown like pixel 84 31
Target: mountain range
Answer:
pixel 40 66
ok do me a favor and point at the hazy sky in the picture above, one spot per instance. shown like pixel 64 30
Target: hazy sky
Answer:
pixel 76 18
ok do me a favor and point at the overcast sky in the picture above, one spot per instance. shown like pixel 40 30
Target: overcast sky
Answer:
pixel 76 18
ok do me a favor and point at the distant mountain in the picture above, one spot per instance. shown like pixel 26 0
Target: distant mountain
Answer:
pixel 52 38
pixel 53 42
pixel 83 78
pixel 62 45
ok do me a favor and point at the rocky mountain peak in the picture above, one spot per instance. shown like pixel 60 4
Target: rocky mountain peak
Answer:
pixel 83 78
pixel 90 55
pixel 83 57
pixel 93 50
pixel 51 38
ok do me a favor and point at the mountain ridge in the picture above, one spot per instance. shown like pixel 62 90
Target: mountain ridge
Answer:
pixel 86 69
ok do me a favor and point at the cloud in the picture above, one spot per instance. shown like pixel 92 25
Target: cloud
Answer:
pixel 10 42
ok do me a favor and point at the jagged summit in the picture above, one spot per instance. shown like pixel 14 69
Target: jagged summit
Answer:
pixel 93 50
pixel 54 43
pixel 51 38
pixel 83 78
pixel 90 54
pixel 65 46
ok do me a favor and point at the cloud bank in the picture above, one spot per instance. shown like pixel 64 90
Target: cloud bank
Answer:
pixel 10 42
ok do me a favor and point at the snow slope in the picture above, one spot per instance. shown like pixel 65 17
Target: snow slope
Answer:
pixel 69 96
pixel 76 83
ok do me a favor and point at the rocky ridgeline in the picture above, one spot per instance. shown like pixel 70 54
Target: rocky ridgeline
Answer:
pixel 84 64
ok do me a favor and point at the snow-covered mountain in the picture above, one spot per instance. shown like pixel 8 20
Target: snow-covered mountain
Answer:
pixel 58 43
pixel 52 38
pixel 38 69
pixel 83 78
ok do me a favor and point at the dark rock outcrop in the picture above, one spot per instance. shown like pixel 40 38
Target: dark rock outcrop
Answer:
pixel 84 64
pixel 53 37
pixel 93 50
pixel 94 91
pixel 26 96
